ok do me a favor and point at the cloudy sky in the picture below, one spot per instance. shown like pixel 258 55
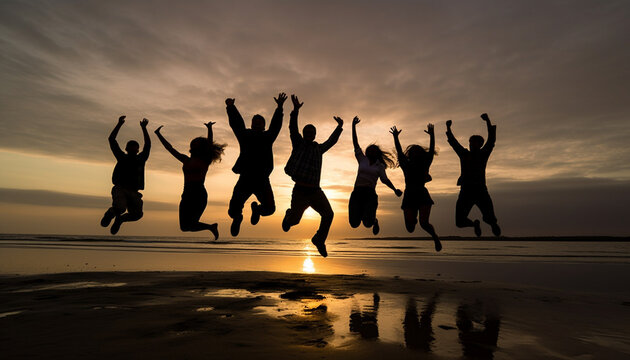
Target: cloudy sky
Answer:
pixel 553 75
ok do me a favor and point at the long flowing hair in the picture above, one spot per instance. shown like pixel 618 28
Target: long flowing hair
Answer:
pixel 209 151
pixel 386 158
pixel 416 153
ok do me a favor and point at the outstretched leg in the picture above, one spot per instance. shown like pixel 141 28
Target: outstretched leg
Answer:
pixel 423 216
pixel 484 202
pixel 319 202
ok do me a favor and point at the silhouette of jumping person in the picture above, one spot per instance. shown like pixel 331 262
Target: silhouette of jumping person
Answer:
pixel 203 152
pixel 363 200
pixel 415 162
pixel 128 178
pixel 304 167
pixel 254 164
pixel 472 181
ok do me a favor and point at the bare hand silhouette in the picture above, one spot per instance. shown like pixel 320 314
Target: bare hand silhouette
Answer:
pixel 338 120
pixel 449 123
pixel 157 131
pixel 430 129
pixel 398 192
pixel 485 117
pixel 394 131
pixel 356 120
pixel 144 122
pixel 296 102
pixel 209 124
pixel 121 120
pixel 229 101
pixel 280 99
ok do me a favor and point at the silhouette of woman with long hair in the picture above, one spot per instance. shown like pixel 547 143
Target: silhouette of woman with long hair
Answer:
pixel 363 200
pixel 203 152
pixel 415 162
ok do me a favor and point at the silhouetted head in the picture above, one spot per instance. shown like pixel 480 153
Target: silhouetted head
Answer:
pixel 309 133
pixel 132 147
pixel 416 152
pixel 209 151
pixel 475 142
pixel 258 123
pixel 374 154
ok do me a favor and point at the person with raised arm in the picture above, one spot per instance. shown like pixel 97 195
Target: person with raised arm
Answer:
pixel 128 178
pixel 203 152
pixel 254 163
pixel 415 162
pixel 363 199
pixel 472 180
pixel 304 167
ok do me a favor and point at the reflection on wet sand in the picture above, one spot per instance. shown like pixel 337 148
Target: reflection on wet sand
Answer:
pixel 419 334
pixel 477 343
pixel 365 322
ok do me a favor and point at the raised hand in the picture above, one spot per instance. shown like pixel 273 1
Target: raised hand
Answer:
pixel 280 99
pixel 398 192
pixel 429 129
pixel 144 122
pixel 229 101
pixel 121 120
pixel 296 102
pixel 449 123
pixel 394 131
pixel 157 131
pixel 356 120
pixel 485 117
pixel 209 124
pixel 338 120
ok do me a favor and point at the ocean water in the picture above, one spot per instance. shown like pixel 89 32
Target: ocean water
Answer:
pixel 574 265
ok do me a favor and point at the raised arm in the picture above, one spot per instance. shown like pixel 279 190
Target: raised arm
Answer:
pixel 459 149
pixel 113 144
pixel 210 135
pixel 402 159
pixel 235 119
pixel 431 131
pixel 492 133
pixel 334 137
pixel 147 139
pixel 276 119
pixel 355 138
pixel 293 121
pixel 179 156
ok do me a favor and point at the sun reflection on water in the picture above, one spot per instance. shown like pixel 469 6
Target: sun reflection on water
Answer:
pixel 308 266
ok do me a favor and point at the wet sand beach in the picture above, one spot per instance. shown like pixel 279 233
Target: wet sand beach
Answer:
pixel 227 315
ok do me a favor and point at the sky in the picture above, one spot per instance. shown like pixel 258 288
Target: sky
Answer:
pixel 553 76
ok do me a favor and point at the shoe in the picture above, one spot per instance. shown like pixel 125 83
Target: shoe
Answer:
pixel 375 227
pixel 285 222
pixel 438 245
pixel 320 245
pixel 477 226
pixel 496 230
pixel 255 213
pixel 116 226
pixel 107 218
pixel 236 225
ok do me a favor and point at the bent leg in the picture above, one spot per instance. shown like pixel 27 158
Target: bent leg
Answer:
pixel 299 204
pixel 264 194
pixel 134 207
pixel 463 206
pixel 191 208
pixel 410 219
pixel 484 203
pixel 242 192
pixel 424 213
pixel 369 209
